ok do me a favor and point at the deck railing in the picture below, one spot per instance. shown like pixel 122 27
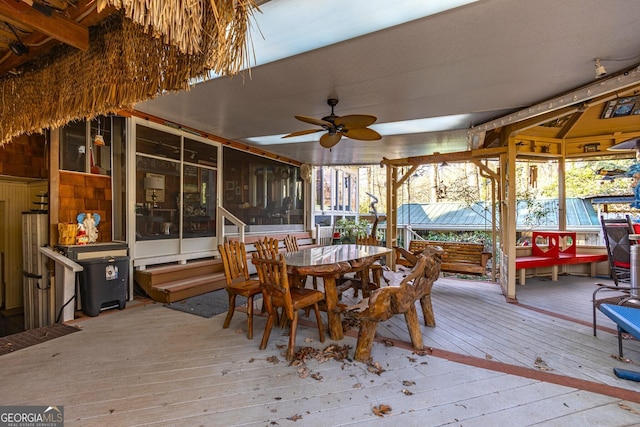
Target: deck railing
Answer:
pixel 324 234
pixel 224 214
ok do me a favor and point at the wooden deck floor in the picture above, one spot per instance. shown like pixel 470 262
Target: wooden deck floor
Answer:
pixel 492 363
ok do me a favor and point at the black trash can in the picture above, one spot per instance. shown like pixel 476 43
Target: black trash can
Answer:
pixel 103 283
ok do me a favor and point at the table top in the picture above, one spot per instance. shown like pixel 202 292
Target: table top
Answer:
pixel 325 255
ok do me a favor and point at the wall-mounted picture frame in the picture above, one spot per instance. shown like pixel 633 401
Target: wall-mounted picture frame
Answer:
pixel 230 185
pixel 237 191
pixel 621 107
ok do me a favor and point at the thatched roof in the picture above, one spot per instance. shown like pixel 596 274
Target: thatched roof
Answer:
pixel 168 45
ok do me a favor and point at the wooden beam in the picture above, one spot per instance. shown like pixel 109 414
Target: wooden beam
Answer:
pixel 564 131
pixel 57 26
pixel 458 156
pixel 39 44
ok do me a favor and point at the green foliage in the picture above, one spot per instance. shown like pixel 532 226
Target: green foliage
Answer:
pixel 536 211
pixel 582 179
pixel 458 236
pixel 350 228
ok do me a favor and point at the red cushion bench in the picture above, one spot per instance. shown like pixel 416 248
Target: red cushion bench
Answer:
pixel 554 248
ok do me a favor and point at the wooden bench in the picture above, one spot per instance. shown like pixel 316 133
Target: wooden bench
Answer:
pixel 552 249
pixel 304 238
pixel 457 257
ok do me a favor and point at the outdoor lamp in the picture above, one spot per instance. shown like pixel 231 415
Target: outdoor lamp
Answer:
pixel 154 183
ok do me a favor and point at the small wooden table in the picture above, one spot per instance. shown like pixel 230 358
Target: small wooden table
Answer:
pixel 331 262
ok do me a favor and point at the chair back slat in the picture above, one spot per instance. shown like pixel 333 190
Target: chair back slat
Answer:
pixel 234 258
pixel 291 243
pixel 274 281
pixel 266 246
pixel 367 240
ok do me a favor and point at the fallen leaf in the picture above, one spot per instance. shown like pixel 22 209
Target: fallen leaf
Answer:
pixel 303 372
pixel 295 417
pixel 424 351
pixel 622 359
pixel 388 343
pixel 375 368
pixel 541 364
pixel 273 359
pixel 316 376
pixel 628 408
pixel 488 356
pixel 407 392
pixel 308 339
pixel 408 383
pixel 238 331
pixel 381 410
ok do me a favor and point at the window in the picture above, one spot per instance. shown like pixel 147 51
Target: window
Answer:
pixel 176 185
pixel 261 191
pixel 85 146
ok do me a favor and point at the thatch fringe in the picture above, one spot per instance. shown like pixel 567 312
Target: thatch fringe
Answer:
pixel 122 66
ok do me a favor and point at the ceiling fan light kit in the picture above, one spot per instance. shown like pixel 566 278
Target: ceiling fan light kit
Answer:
pixel 352 126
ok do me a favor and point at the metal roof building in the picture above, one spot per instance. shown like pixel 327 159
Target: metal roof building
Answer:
pixel 581 215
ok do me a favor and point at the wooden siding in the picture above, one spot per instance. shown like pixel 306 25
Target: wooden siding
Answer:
pixel 17 197
pixel 80 192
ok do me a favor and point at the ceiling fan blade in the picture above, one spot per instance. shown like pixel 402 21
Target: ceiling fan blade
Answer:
pixel 363 134
pixel 355 120
pixel 329 140
pixel 313 121
pixel 302 132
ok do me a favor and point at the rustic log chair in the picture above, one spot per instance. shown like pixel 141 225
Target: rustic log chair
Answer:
pixel 388 301
pixel 274 282
pixel 236 271
pixel 266 245
pixel 377 270
pixel 291 245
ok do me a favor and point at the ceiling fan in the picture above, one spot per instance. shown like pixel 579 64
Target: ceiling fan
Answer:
pixel 353 126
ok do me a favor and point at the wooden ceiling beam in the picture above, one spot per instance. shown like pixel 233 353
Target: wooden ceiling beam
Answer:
pixel 57 26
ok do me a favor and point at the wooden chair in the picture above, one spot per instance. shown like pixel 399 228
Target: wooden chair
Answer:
pixel 274 282
pixel 291 245
pixel 389 301
pixel 377 270
pixel 265 246
pixel 236 271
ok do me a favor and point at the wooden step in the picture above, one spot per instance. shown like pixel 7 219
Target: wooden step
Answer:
pixel 175 282
pixel 186 288
pixel 168 273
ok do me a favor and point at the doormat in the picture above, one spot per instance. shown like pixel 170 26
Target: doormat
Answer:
pixel 209 304
pixel 25 339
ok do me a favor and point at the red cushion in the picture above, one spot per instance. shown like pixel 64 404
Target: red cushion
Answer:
pixel 621 264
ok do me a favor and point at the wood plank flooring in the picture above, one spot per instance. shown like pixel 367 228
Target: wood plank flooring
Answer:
pixel 152 366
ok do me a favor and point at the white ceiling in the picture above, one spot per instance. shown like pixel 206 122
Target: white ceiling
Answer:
pixel 485 59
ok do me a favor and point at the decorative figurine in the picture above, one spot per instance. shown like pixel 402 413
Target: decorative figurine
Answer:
pixel 88 226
